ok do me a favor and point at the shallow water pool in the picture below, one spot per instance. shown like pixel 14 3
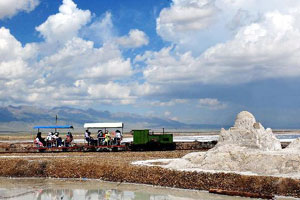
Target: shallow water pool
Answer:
pixel 66 189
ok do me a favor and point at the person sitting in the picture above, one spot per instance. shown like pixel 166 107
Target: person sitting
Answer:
pixel 87 136
pixel 100 137
pixel 107 138
pixel 90 140
pixel 50 140
pixel 39 141
pixel 118 137
pixel 68 139
pixel 57 139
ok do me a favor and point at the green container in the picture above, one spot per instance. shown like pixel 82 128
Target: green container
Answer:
pixel 140 136
pixel 143 137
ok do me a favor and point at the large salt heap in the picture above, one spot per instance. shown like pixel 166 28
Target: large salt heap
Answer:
pixel 246 132
pixel 247 147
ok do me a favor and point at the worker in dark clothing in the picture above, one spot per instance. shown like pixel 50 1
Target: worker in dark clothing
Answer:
pixel 89 138
pixel 39 140
pixel 68 139
pixel 58 139
pixel 100 137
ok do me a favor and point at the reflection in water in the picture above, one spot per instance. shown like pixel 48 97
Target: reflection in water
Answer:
pixel 69 194
pixel 54 194
pixel 66 189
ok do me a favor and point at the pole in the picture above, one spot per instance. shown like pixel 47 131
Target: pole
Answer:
pixel 56 121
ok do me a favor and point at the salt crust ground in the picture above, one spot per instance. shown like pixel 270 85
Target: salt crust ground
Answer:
pixel 247 148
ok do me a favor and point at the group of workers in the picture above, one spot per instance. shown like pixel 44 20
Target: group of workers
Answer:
pixel 53 140
pixel 103 138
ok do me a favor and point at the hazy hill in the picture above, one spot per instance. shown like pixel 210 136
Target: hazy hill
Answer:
pixel 15 118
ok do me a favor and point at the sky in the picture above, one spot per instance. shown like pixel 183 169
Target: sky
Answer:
pixel 193 61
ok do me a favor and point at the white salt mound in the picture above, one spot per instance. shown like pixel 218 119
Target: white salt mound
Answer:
pixel 247 147
pixel 246 132
pixel 294 145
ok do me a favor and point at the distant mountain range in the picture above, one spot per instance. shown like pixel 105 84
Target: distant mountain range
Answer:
pixel 23 118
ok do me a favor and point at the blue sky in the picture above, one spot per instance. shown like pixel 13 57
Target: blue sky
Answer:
pixel 194 61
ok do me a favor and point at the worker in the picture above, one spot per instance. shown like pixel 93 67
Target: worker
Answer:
pixel 68 139
pixel 57 139
pixel 107 138
pixel 100 137
pixel 50 139
pixel 89 138
pixel 39 140
pixel 118 137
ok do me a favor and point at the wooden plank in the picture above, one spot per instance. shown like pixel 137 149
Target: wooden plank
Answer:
pixel 240 193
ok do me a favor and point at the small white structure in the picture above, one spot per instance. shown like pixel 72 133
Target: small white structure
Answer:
pixel 104 125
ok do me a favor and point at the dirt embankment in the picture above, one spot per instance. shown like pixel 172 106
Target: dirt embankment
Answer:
pixel 116 167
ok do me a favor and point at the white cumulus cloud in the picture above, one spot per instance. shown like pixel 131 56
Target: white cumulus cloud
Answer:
pixel 101 30
pixel 14 57
pixel 10 48
pixel 266 49
pixel 172 102
pixel 65 24
pixel 9 8
pixel 79 59
pixel 111 92
pixel 260 50
pixel 211 103
pixel 74 72
pixel 135 38
pixel 184 17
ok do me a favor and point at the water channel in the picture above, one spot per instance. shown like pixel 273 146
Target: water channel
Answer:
pixel 66 189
